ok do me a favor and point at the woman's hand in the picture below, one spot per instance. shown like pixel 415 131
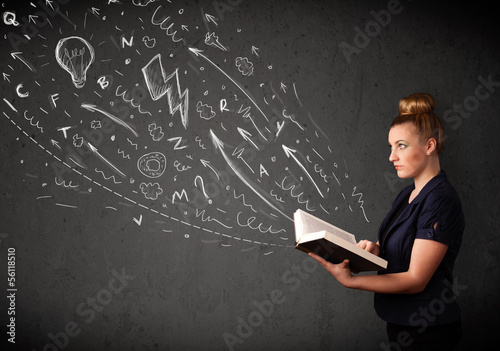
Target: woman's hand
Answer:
pixel 369 246
pixel 341 271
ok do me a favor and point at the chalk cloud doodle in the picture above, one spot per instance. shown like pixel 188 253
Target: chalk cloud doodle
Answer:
pixel 121 123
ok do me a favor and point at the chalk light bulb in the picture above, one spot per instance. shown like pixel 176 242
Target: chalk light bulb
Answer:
pixel 75 55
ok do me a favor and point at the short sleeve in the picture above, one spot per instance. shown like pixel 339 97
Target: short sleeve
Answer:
pixel 444 208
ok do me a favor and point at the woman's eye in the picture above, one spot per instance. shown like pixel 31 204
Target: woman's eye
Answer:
pixel 402 146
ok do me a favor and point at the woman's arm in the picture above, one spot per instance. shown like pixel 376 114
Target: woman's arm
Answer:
pixel 426 256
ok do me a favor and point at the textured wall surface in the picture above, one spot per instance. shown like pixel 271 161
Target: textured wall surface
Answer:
pixel 153 153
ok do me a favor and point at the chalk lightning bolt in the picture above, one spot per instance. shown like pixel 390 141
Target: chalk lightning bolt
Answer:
pixel 254 187
pixel 291 153
pixel 159 84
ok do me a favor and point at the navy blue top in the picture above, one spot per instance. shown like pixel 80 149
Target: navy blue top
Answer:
pixel 437 202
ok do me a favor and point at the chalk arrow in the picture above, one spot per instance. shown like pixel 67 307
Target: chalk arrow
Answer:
pixel 159 84
pixel 94 150
pixel 254 187
pixel 206 163
pixel 254 51
pixel 95 11
pixel 291 153
pixel 55 143
pixel 31 18
pixel 283 87
pixel 211 18
pixel 17 55
pixel 49 2
pixel 184 27
pixel 138 221
pixel 198 52
pixel 246 135
pixel 94 108
pixel 6 77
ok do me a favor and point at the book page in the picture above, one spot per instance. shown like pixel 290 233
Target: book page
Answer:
pixel 307 223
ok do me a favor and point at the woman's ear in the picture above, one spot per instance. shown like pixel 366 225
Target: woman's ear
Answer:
pixel 431 145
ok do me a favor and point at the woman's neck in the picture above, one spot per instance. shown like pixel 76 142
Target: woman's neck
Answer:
pixel 423 178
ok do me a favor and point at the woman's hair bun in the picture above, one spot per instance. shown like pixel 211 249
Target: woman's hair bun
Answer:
pixel 415 104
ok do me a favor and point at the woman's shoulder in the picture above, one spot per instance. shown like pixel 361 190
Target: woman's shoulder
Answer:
pixel 444 191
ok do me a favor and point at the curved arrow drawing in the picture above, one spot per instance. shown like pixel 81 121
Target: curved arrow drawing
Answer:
pixel 17 55
pixel 291 152
pixel 206 163
pixel 254 187
pixel 93 108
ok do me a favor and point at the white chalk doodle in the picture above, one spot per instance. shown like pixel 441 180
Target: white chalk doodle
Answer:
pixel 178 141
pixel 206 163
pixel 9 18
pixel 210 219
pixel 159 84
pixel 77 141
pixel 247 137
pixel 152 165
pixel 30 119
pixel 122 153
pixel 155 131
pixel 151 190
pixel 95 124
pixel 249 222
pixel 75 55
pixel 17 56
pixel 64 184
pixel 361 202
pixel 143 2
pixel 94 150
pixel 198 52
pixel 138 221
pixel 93 108
pixel 112 177
pixel 129 202
pixel 132 102
pixel 180 167
pixel 291 187
pixel 289 152
pixel 244 66
pixel 254 187
pixel 19 93
pixel 213 40
pixel 205 111
pixel 163 24
pixel 149 42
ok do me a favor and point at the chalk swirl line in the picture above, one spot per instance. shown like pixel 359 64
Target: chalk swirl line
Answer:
pixel 107 178
pixel 135 202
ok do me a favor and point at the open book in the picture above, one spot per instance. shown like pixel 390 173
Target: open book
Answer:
pixel 333 244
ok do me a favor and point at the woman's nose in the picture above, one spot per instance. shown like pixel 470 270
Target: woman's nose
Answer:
pixel 393 156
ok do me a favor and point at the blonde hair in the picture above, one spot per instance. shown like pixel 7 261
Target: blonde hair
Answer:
pixel 418 109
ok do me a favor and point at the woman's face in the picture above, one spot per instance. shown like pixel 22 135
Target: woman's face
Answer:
pixel 408 153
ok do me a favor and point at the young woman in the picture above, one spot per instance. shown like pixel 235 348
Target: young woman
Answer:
pixel 420 238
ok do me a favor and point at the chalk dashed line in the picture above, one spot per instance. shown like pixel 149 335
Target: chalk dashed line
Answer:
pixel 132 201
